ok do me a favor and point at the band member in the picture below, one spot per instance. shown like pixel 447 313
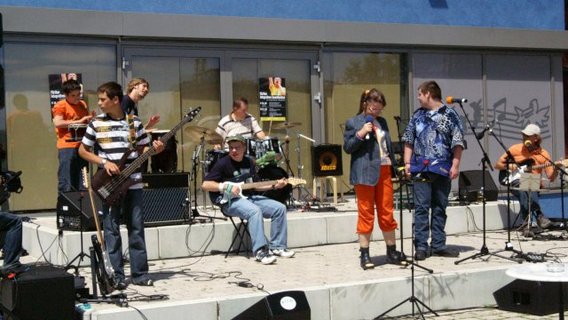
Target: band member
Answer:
pixel 531 153
pixel 70 111
pixel 109 133
pixel 368 141
pixel 224 191
pixel 136 91
pixel 239 122
pixel 432 153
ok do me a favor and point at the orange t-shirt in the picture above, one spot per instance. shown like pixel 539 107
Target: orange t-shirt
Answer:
pixel 521 154
pixel 68 112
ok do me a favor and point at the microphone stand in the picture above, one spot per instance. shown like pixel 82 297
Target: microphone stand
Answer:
pixel 484 163
pixel 510 160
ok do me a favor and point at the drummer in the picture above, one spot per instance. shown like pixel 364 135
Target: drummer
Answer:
pixel 69 115
pixel 239 122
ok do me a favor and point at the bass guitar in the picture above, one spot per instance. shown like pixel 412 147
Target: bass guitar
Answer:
pixel 104 272
pixel 246 186
pixel 507 177
pixel 111 189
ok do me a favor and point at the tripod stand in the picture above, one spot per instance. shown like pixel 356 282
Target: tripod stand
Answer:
pixel 81 255
pixel 416 303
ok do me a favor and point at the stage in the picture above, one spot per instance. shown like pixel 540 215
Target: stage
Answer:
pixel 200 285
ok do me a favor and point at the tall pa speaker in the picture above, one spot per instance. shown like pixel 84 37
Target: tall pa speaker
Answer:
pixel 42 293
pixel 470 183
pixel 286 305
pixel 165 198
pixel 326 160
pixel 533 297
pixel 74 205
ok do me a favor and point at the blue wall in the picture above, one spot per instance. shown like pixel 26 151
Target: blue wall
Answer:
pixel 524 14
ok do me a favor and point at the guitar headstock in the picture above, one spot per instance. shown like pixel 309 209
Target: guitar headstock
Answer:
pixel 296 181
pixel 191 114
pixel 85 176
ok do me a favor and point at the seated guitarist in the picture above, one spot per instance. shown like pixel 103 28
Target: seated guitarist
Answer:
pixel 113 134
pixel 529 152
pixel 224 190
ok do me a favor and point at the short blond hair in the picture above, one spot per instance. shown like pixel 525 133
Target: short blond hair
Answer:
pixel 134 82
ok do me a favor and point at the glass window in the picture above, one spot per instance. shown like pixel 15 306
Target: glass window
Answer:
pixel 30 131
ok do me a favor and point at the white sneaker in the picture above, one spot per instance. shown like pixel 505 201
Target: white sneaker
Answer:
pixel 264 256
pixel 284 253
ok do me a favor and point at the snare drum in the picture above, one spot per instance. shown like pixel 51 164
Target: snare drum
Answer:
pixel 212 156
pixel 77 131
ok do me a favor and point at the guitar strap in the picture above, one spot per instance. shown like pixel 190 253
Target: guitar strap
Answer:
pixel 132 136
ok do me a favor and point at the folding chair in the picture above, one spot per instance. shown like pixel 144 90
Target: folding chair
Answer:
pixel 241 233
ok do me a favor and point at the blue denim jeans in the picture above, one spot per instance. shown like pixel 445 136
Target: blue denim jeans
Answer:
pixel 253 209
pixel 69 172
pixel 12 225
pixel 431 195
pixel 131 209
pixel 523 197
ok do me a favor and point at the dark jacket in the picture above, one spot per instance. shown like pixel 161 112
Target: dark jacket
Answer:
pixel 365 161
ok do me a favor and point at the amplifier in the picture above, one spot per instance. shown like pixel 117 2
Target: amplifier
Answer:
pixel 326 160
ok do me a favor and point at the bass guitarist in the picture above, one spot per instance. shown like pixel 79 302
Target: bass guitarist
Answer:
pixel 112 134
pixel 529 153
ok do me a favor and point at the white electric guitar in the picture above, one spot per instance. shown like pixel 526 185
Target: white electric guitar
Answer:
pixel 246 186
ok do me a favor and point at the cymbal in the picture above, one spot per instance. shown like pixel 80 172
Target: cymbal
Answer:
pixel 209 135
pixel 287 125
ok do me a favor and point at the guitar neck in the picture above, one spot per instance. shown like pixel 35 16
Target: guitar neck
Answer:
pixel 253 185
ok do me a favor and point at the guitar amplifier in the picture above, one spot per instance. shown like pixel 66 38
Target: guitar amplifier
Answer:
pixel 74 211
pixel 165 198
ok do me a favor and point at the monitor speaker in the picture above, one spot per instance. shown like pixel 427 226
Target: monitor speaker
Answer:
pixel 74 205
pixel 326 160
pixel 286 305
pixel 42 293
pixel 470 184
pixel 532 297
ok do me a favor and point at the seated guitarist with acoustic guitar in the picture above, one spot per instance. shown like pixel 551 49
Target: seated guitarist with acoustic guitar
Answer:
pixel 113 135
pixel 529 157
pixel 225 185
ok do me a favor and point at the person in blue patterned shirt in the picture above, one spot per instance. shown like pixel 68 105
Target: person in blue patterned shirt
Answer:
pixel 432 152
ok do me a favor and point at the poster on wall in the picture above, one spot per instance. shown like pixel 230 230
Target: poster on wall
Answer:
pixel 272 92
pixel 55 82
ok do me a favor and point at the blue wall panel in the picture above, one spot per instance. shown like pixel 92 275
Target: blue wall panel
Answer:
pixel 523 14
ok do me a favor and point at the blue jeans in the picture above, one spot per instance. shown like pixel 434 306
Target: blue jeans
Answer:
pixel 523 197
pixel 253 209
pixel 69 172
pixel 433 195
pixel 131 209
pixel 12 225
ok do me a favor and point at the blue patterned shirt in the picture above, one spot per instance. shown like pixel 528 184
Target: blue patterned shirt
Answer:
pixel 433 135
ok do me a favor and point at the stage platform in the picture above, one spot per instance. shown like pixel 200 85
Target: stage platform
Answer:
pixel 201 285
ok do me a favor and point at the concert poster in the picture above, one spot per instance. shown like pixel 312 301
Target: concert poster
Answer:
pixel 272 93
pixel 55 82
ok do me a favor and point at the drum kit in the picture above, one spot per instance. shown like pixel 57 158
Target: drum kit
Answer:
pixel 267 153
pixel 77 131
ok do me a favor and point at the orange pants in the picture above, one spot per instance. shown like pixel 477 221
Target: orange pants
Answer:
pixel 381 196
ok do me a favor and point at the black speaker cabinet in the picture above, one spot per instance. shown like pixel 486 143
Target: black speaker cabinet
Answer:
pixel 165 206
pixel 42 293
pixel 286 305
pixel 533 297
pixel 470 184
pixel 326 160
pixel 71 206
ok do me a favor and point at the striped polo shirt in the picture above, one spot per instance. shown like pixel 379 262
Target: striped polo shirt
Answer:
pixel 110 139
pixel 248 127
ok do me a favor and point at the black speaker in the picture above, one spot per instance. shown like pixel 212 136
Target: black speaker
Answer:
pixel 286 305
pixel 326 160
pixel 42 293
pixel 533 297
pixel 165 206
pixel 71 206
pixel 470 184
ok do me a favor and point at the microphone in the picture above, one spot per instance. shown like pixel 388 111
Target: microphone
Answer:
pixel 368 119
pixel 450 99
pixel 488 126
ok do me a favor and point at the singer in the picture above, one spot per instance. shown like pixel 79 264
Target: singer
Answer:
pixel 432 153
pixel 529 152
pixel 368 141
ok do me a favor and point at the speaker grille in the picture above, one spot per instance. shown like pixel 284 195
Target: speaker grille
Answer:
pixel 165 206
pixel 326 160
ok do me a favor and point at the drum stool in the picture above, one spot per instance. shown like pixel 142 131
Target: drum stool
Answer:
pixel 321 181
